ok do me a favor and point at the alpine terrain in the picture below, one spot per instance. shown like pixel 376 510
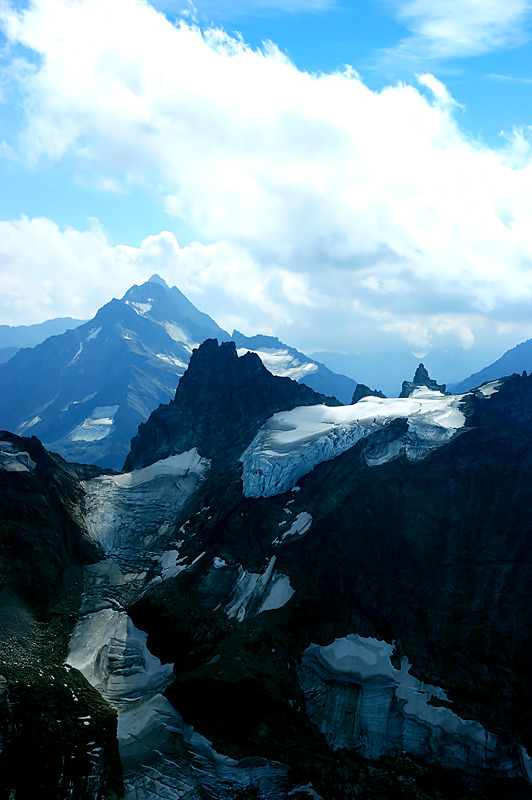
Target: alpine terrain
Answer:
pixel 85 392
pixel 279 597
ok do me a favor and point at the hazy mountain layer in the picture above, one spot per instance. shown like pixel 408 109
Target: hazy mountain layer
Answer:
pixel 13 337
pixel 516 360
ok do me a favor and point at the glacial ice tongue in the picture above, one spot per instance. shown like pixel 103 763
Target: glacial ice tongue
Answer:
pixel 291 443
pixel 123 509
pixel 359 699
pixel 112 654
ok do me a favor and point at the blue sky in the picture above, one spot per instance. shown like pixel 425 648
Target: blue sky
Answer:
pixel 351 176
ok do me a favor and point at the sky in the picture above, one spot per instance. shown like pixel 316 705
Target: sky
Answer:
pixel 348 176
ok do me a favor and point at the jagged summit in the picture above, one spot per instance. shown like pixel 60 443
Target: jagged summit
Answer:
pixel 286 361
pixel 422 378
pixel 157 279
pixel 221 401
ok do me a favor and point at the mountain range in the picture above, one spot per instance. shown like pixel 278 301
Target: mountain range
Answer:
pixel 13 338
pixel 85 392
pixel 280 597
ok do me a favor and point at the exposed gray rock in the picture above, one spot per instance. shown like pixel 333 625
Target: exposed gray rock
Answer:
pixel 421 378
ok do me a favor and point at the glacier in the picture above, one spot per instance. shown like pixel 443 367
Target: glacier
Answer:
pixel 359 699
pixel 291 443
pixel 130 516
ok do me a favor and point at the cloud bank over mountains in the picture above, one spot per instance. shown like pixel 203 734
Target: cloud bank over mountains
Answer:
pixel 325 212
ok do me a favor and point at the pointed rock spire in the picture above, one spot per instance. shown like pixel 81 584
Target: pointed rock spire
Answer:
pixel 422 378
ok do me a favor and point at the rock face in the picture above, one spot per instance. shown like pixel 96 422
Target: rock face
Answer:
pixel 285 361
pixel 49 714
pixel 516 360
pixel 421 378
pixel 218 406
pixel 364 391
pixel 14 337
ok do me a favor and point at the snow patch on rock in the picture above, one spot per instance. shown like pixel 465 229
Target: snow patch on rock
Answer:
pixel 29 423
pixel 255 592
pixel 93 334
pixel 490 388
pixel 140 308
pixel 11 461
pixel 175 362
pixel 299 526
pixel 177 333
pixel 96 426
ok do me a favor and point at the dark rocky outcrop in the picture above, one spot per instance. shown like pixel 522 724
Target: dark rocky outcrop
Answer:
pixel 421 378
pixel 220 403
pixel 58 737
pixel 364 391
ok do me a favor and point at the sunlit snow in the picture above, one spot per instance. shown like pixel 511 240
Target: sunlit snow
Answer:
pixel 178 465
pixel 29 423
pixel 291 443
pixel 488 389
pixel 93 334
pixel 177 333
pixel 175 362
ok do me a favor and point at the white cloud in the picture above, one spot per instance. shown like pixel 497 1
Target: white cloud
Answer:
pixel 338 213
pixel 444 29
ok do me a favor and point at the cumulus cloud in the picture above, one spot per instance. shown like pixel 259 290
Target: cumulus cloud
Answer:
pixel 336 212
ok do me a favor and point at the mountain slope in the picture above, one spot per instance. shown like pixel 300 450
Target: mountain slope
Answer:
pixel 286 361
pixel 516 360
pixel 84 393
